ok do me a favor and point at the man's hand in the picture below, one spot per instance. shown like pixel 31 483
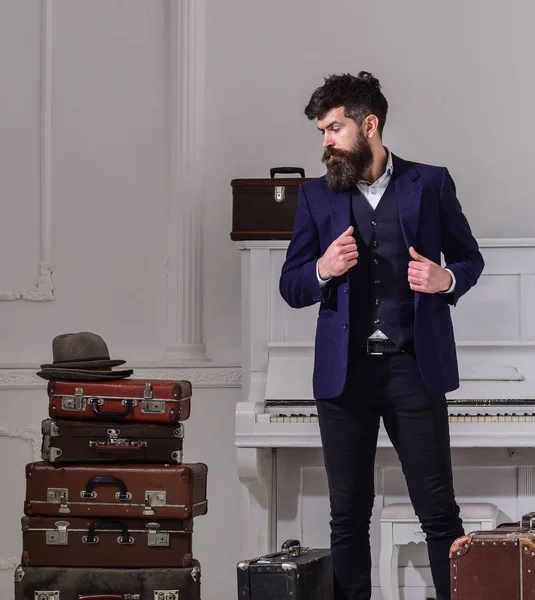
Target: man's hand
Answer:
pixel 339 257
pixel 426 276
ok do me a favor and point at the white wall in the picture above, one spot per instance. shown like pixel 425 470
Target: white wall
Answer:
pixel 457 76
pixel 86 183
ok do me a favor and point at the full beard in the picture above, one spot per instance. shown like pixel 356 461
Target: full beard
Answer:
pixel 348 166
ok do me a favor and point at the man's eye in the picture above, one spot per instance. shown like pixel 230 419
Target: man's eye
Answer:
pixel 335 130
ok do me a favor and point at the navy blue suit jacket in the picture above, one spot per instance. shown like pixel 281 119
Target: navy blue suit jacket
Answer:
pixel 433 222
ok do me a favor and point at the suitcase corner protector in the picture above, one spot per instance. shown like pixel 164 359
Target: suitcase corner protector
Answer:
pixel 527 543
pixel 243 565
pixel 460 546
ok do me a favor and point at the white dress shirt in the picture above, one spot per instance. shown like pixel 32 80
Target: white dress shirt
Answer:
pixel 373 192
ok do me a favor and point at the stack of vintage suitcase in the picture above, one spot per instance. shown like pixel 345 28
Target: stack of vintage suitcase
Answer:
pixel 109 515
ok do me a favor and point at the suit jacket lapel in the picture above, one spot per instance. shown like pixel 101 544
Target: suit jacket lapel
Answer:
pixel 409 195
pixel 340 208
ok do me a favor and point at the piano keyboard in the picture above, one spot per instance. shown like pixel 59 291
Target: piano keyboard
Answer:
pixel 488 410
pixel 452 418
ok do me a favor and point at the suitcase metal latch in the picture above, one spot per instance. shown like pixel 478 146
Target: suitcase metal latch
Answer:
pixel 60 537
pixel 46 595
pixel 76 402
pixel 154 498
pixel 279 193
pixel 155 538
pixel 147 392
pixel 153 406
pixel 166 595
pixel 59 496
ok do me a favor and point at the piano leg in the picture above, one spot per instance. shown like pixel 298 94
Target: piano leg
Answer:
pixel 255 471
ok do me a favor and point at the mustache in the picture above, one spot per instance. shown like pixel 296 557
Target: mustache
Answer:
pixel 328 152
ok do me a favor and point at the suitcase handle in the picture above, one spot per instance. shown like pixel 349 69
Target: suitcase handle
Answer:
pixel 89 492
pixel 135 449
pixel 91 538
pixel 528 520
pixel 101 597
pixel 291 547
pixel 286 171
pixel 112 415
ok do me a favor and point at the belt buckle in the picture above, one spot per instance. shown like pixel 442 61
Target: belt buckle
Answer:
pixel 370 343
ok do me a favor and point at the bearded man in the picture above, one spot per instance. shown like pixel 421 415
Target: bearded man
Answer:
pixel 366 246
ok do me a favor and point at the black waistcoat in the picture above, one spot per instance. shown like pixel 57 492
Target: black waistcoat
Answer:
pixel 380 296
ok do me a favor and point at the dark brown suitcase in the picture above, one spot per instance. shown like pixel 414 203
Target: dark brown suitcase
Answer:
pixel 141 400
pixel 495 565
pixel 76 583
pixel 295 573
pixel 66 441
pixel 116 491
pixel 53 542
pixel 264 209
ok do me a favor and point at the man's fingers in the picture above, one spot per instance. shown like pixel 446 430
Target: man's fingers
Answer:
pixel 417 266
pixel 417 256
pixel 347 233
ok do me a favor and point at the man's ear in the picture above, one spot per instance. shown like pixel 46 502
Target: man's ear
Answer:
pixel 370 126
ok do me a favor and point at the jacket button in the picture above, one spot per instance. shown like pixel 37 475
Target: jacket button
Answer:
pixel 344 325
pixel 376 321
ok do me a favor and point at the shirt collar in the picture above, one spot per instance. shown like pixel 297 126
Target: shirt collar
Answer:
pixel 388 170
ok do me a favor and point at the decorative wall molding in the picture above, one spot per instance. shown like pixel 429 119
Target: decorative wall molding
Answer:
pixel 9 564
pixel 24 377
pixel 526 489
pixel 43 288
pixel 183 269
pixel 32 435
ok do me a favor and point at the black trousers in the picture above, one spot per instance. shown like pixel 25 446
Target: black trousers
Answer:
pixel 417 424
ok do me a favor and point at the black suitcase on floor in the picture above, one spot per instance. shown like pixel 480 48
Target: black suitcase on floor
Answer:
pixel 295 573
pixel 68 583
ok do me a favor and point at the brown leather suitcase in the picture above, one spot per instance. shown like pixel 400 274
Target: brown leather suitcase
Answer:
pixel 116 491
pixel 264 209
pixel 76 542
pixel 89 583
pixel 141 400
pixel 495 565
pixel 66 441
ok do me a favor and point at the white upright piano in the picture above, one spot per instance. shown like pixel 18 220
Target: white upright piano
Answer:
pixel 492 414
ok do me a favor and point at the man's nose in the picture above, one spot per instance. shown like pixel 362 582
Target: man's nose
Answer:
pixel 327 141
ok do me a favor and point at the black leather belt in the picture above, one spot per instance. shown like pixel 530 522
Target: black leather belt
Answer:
pixel 379 347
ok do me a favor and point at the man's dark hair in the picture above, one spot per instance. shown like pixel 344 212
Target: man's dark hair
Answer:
pixel 360 96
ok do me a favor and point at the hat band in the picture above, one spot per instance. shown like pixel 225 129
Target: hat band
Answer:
pixel 60 362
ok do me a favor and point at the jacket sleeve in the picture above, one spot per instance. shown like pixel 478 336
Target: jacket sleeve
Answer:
pixel 299 285
pixel 460 248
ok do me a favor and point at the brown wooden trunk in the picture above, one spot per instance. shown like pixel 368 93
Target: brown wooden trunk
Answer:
pixel 141 400
pixel 116 491
pixel 264 209
pixel 494 565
